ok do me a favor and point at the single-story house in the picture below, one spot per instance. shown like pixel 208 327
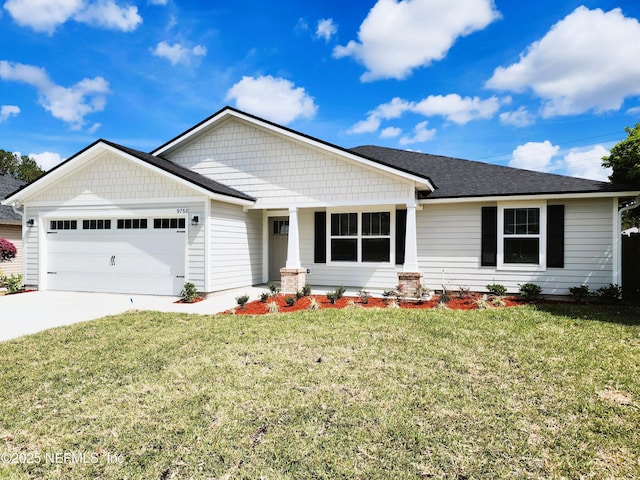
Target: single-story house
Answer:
pixel 237 201
pixel 10 225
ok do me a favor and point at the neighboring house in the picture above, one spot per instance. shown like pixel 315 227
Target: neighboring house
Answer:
pixel 236 198
pixel 10 225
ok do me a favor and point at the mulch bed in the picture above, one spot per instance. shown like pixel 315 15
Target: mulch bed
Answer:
pixel 468 302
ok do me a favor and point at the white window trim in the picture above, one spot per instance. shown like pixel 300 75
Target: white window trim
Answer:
pixel 359 263
pixel 541 266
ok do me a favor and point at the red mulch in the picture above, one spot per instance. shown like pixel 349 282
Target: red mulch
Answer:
pixel 257 307
pixel 196 300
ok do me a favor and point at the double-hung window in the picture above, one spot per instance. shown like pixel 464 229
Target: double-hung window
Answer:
pixel 360 237
pixel 521 235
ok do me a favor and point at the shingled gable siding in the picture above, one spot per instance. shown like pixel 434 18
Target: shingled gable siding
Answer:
pixel 236 246
pixel 449 247
pixel 276 170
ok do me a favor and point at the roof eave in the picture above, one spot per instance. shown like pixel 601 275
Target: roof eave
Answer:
pixel 530 196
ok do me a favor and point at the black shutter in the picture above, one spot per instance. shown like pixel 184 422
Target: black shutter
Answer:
pixel 401 235
pixel 489 256
pixel 555 236
pixel 320 238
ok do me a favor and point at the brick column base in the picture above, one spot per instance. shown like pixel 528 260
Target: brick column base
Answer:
pixel 410 282
pixel 292 279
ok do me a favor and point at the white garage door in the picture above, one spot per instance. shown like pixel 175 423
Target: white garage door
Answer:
pixel 142 255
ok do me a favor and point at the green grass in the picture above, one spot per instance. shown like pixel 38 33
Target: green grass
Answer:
pixel 525 392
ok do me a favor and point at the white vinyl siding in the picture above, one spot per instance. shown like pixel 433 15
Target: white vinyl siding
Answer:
pixel 236 247
pixel 449 249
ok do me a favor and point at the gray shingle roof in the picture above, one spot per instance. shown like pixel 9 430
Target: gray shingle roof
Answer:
pixel 456 178
pixel 8 185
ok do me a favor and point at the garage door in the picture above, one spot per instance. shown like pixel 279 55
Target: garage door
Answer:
pixel 141 255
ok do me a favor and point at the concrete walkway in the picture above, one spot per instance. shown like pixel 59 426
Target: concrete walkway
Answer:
pixel 34 312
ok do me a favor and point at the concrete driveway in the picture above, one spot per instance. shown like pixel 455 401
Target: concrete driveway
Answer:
pixel 34 312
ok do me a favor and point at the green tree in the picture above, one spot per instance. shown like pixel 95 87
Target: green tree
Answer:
pixel 23 168
pixel 624 160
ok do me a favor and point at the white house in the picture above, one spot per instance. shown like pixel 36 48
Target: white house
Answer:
pixel 237 200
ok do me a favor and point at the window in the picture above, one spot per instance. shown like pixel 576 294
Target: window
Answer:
pixel 364 237
pixel 96 224
pixel 281 227
pixel 521 236
pixel 132 223
pixel 63 225
pixel 168 223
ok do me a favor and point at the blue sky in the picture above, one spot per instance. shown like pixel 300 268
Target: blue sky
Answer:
pixel 546 85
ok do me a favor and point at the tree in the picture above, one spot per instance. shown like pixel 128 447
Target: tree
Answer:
pixel 624 160
pixel 21 167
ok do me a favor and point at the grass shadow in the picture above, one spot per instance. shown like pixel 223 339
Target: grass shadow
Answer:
pixel 622 313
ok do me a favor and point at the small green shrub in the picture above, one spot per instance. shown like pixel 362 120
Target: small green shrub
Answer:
pixel 580 294
pixel 306 290
pixel 530 291
pixel 610 293
pixel 264 296
pixel 496 289
pixel 445 296
pixel 336 294
pixel 13 283
pixel 274 288
pixel 189 293
pixel 242 300
pixel 290 301
pixel 299 294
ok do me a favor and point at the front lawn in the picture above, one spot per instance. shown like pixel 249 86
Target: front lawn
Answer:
pixel 524 392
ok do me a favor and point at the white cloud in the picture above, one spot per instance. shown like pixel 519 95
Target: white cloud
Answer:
pixel 457 109
pixel 397 37
pixel 634 111
pixel 69 104
pixel 176 53
pixel 46 15
pixel 7 111
pixel 585 62
pixel 47 160
pixel 386 111
pixel 421 134
pixel 517 118
pixel 391 132
pixel 534 156
pixel 276 99
pixel 586 164
pixel 157 2
pixel 326 29
pixel 106 14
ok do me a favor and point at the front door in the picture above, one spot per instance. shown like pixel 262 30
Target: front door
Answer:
pixel 278 241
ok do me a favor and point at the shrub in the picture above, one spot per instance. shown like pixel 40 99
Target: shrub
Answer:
pixel 290 301
pixel 464 292
pixel 299 294
pixel 580 294
pixel 8 250
pixel 272 307
pixel 610 293
pixel 423 293
pixel 13 283
pixel 313 304
pixel 445 296
pixel 242 300
pixel 306 290
pixel 496 289
pixel 364 296
pixel 189 293
pixel 336 294
pixel 274 288
pixel 530 291
pixel 264 296
pixel 483 302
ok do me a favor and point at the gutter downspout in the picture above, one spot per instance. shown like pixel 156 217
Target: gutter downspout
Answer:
pixel 635 204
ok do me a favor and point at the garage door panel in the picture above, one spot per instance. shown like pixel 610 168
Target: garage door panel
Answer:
pixel 119 261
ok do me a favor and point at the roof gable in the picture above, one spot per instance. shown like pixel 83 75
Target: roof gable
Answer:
pixel 187 178
pixel 8 185
pixel 458 178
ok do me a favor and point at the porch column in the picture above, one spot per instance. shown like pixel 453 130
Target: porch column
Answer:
pixel 410 278
pixel 411 241
pixel 293 245
pixel 293 277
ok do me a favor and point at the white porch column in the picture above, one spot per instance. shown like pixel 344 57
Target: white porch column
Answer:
pixel 411 241
pixel 293 246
